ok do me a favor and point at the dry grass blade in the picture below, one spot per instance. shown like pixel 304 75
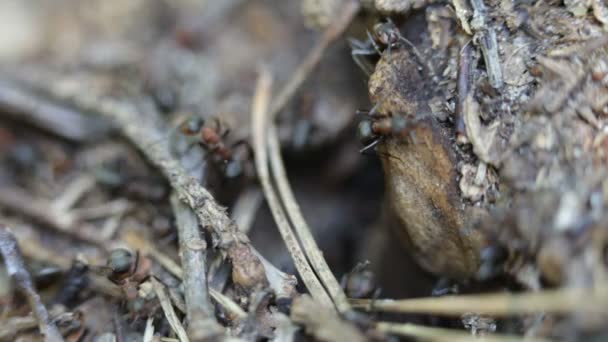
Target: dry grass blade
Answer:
pixel 335 29
pixel 259 119
pixel 503 304
pixel 311 249
pixel 15 267
pixel 165 303
pixel 423 333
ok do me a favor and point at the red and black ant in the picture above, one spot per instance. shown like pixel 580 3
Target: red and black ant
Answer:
pixel 125 269
pixel 212 139
pixel 378 127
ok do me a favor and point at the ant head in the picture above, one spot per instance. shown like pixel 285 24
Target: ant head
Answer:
pixel 386 33
pixel 193 126
pixel 365 132
pixel 233 169
pixel 120 260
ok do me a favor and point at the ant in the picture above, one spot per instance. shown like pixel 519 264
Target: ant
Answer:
pixel 379 126
pixel 212 140
pixel 386 35
pixel 126 270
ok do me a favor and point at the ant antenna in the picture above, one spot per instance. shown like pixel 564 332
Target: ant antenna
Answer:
pixel 373 112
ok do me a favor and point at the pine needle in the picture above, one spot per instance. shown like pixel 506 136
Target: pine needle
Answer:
pixel 259 134
pixel 442 334
pixel 566 300
pixel 314 254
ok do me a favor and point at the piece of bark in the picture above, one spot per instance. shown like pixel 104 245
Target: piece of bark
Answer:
pixel 420 172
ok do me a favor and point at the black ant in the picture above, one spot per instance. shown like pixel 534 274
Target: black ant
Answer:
pixel 212 140
pixel 384 36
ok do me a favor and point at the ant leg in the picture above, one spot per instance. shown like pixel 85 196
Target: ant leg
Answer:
pixel 246 145
pixel 365 149
pixel 376 47
pixel 225 133
pixel 357 44
pixel 221 130
pixel 357 55
pixel 373 112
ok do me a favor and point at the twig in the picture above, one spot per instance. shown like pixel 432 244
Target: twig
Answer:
pixel 423 333
pixel 28 106
pixel 322 323
pixel 165 303
pixel 20 202
pixel 15 268
pixel 333 31
pixel 485 36
pixel 34 250
pixel 10 327
pixel 199 310
pixel 115 207
pixel 141 130
pixel 73 192
pixel 137 242
pixel 464 71
pixel 259 120
pixel 566 300
pixel 314 254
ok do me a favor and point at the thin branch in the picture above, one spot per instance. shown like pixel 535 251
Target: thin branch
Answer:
pixel 314 254
pixel 73 192
pixel 165 303
pixel 423 333
pixel 333 31
pixel 21 202
pixel 199 310
pixel 11 327
pixel 32 249
pixel 566 300
pixel 259 120
pixel 15 268
pixel 25 105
